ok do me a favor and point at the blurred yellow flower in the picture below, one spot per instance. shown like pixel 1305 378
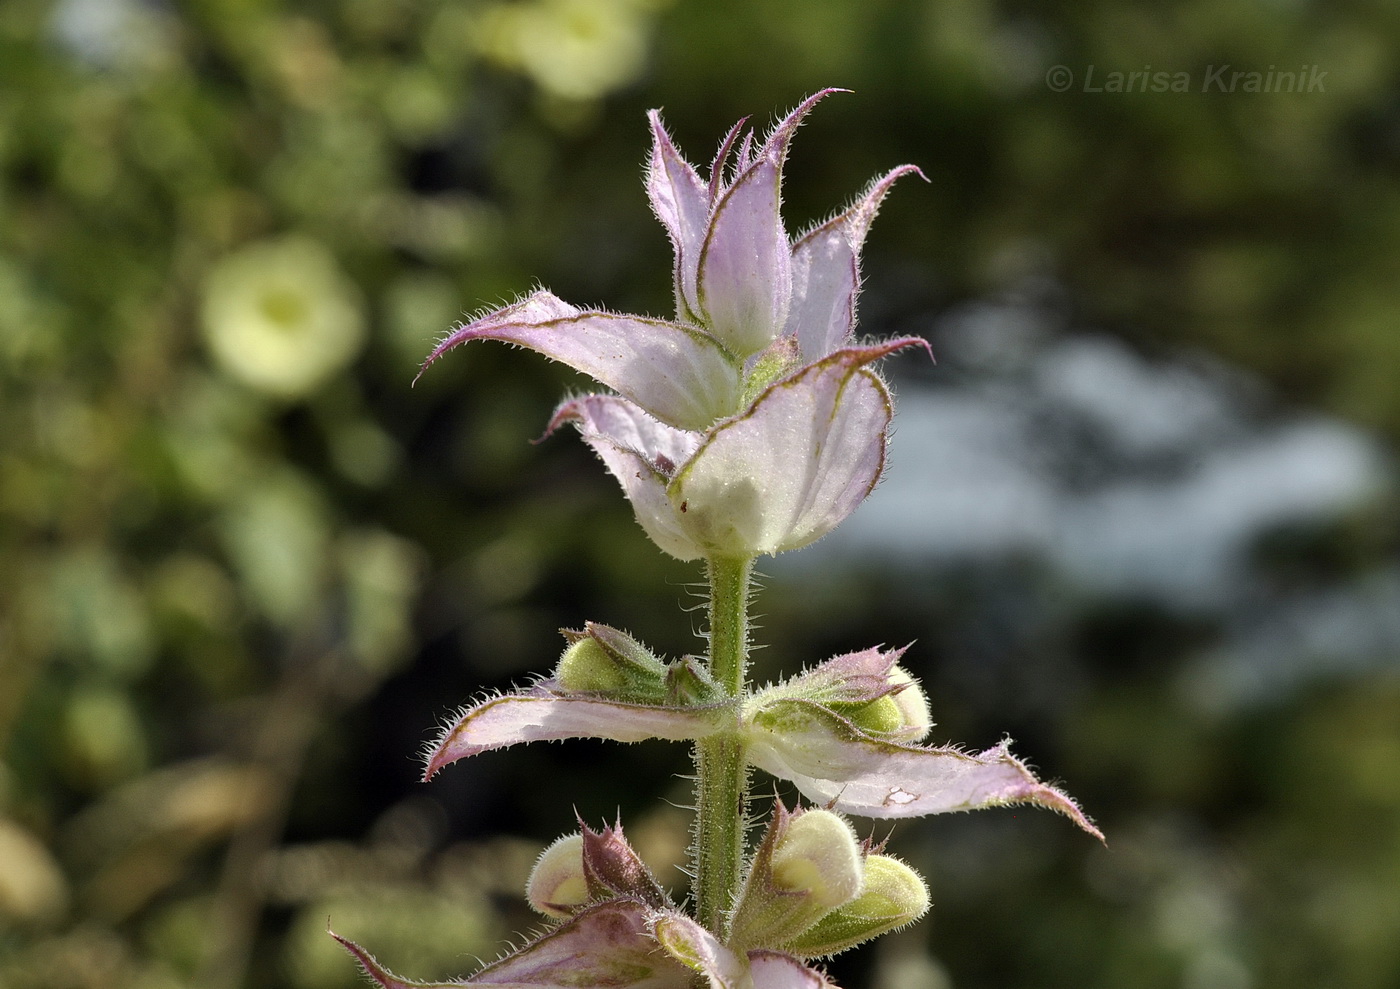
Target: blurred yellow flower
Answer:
pixel 574 49
pixel 280 316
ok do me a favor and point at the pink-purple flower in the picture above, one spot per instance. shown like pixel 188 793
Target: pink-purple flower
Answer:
pixel 752 422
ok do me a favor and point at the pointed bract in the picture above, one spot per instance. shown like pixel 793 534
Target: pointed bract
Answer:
pixel 745 277
pixel 847 679
pixel 826 273
pixel 612 868
pixel 542 714
pixel 643 454
pixel 721 161
pixel 830 761
pixel 679 374
pixel 682 204
pixel 606 945
pixel 381 976
pixel 745 274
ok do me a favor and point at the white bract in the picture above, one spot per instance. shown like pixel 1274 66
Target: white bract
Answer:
pixel 751 423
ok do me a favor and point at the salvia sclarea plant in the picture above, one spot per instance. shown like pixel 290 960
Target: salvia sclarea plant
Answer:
pixel 751 424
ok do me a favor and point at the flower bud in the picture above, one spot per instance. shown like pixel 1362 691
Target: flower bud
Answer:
pixel 586 666
pixel 603 660
pixel 902 714
pixel 688 682
pixel 808 864
pixel 893 895
pixel 557 886
pixel 818 856
pixel 915 717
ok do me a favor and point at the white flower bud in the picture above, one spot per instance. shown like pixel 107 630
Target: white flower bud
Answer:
pixel 557 885
pixel 808 864
pixel 893 895
pixel 819 856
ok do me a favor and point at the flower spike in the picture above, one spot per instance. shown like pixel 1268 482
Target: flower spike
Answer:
pixel 752 423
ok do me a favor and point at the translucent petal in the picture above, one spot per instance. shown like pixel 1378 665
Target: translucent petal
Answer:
pixel 796 463
pixel 542 715
pixel 642 453
pixel 677 373
pixel 682 204
pixel 775 970
pixel 826 273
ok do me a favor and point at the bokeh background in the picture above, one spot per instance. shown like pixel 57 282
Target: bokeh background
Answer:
pixel 1142 516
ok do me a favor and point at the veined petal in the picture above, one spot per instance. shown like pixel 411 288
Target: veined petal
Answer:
pixel 826 273
pixel 642 453
pixel 745 275
pixel 542 715
pixel 831 761
pixel 797 462
pixel 682 204
pixel 677 373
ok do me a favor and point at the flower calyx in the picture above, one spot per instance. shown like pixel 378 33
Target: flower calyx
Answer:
pixel 589 867
pixel 892 896
pixel 808 864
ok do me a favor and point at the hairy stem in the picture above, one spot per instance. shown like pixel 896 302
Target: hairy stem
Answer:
pixel 721 788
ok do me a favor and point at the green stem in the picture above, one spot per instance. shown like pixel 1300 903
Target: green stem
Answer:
pixel 721 786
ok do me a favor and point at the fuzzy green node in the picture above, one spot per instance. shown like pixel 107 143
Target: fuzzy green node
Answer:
pixel 912 702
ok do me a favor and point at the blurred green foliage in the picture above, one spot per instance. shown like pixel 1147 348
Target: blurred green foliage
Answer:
pixel 247 568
